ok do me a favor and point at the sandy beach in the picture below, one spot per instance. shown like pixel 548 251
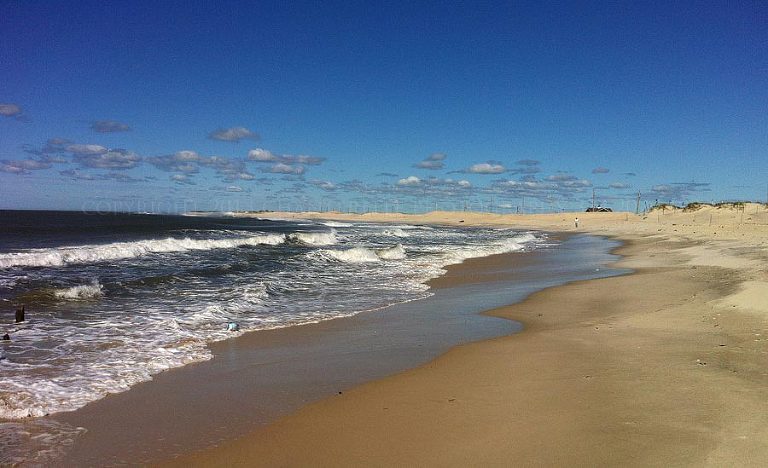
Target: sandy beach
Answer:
pixel 665 366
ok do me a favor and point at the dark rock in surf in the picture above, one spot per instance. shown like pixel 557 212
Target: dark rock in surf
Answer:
pixel 20 315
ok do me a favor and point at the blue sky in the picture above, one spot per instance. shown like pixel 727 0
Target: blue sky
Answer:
pixel 176 106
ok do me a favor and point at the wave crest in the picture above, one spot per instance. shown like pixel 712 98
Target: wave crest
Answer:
pixel 314 238
pixel 80 292
pixel 122 250
pixel 364 255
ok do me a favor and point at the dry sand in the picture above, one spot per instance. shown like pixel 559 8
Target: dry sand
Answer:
pixel 667 366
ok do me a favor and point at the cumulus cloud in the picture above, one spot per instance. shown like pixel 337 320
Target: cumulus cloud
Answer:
pixel 189 162
pixel 22 166
pixel 262 155
pixel 433 162
pixel 229 169
pixel 387 174
pixel 118 159
pixel 409 181
pixel 86 149
pixel 561 177
pixel 181 161
pixel 619 185
pixel 600 170
pixel 528 162
pixel 182 179
pixel 79 175
pixel 486 168
pixel 233 134
pixel 109 126
pixel 282 168
pixel 558 185
pixel 445 183
pixel 10 110
pixel 51 152
pixel 283 163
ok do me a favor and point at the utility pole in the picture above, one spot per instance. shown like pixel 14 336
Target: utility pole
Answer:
pixel 593 199
pixel 637 208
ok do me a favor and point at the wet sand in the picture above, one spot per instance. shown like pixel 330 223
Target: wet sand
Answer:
pixel 662 367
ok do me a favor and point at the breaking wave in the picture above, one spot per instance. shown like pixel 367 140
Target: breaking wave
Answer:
pixel 314 238
pixel 336 224
pixel 397 232
pixel 122 250
pixel 511 244
pixel 363 254
pixel 80 292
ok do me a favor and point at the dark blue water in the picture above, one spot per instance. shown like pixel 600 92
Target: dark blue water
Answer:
pixel 113 299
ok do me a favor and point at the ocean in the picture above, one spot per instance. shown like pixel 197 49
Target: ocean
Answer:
pixel 113 299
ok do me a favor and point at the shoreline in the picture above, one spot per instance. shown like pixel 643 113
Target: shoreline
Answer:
pixel 662 366
pixel 259 377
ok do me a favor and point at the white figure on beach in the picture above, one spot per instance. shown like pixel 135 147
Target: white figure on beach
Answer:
pixel 576 222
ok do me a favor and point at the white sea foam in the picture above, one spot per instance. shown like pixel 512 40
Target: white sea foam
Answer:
pixel 511 244
pixel 353 255
pixel 397 232
pixel 396 252
pixel 36 443
pixel 122 250
pixel 315 238
pixel 337 224
pixel 364 254
pixel 80 292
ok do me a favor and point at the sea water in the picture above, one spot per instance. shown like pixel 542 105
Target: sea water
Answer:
pixel 113 299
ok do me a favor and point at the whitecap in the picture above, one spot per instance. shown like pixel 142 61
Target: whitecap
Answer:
pixel 80 292
pixel 314 238
pixel 61 256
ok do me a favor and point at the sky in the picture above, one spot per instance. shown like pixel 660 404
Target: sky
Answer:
pixel 176 106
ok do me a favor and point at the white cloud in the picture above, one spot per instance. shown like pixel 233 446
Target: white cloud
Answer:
pixel 86 149
pixel 180 161
pixel 282 168
pixel 464 183
pixel 486 168
pixel 182 179
pixel 409 181
pixel 561 177
pixel 186 155
pixel 79 175
pixel 22 166
pixel 112 159
pixel 600 170
pixel 433 162
pixel 10 110
pixel 233 134
pixel 619 185
pixel 261 155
